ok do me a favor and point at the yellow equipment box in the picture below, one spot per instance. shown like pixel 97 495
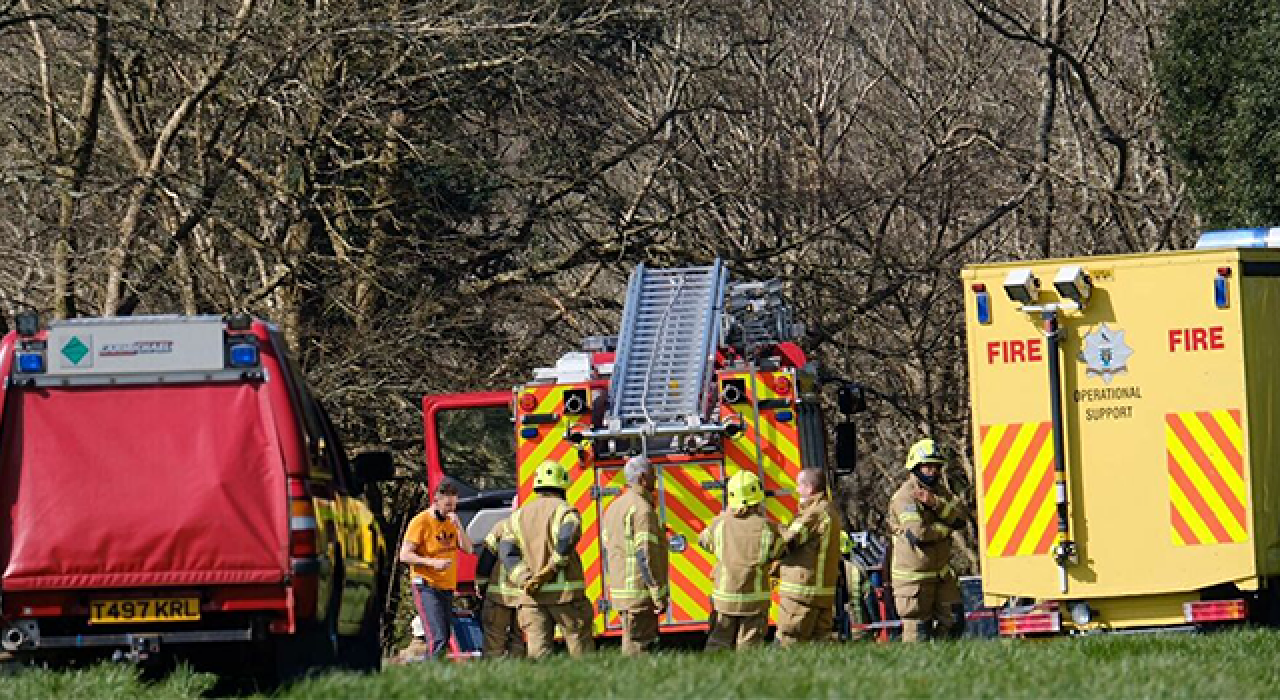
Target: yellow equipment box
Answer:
pixel 1169 388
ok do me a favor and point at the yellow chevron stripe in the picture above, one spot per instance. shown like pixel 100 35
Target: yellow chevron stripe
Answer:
pixel 1021 499
pixel 1041 521
pixel 992 440
pixel 550 403
pixel 1188 513
pixel 691 600
pixel 1233 430
pixel 1004 473
pixel 1210 447
pixel 1177 539
pixel 1235 530
pixel 674 489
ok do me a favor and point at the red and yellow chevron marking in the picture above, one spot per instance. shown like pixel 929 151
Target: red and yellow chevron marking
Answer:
pixel 779 447
pixel 1207 490
pixel 549 442
pixel 591 547
pixel 688 507
pixel 1019 518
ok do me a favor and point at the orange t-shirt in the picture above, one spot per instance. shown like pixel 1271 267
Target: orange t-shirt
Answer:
pixel 434 538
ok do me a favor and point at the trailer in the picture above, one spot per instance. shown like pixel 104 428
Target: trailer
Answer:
pixel 1124 412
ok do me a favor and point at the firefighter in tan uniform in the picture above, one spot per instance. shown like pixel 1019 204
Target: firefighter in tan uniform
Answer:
pixel 744 543
pixel 810 565
pixel 545 565
pixel 637 550
pixel 923 514
pixel 502 636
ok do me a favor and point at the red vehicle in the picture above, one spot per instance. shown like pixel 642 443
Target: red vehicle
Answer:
pixel 170 484
pixel 705 379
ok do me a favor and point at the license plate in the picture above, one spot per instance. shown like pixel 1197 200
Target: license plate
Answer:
pixel 110 611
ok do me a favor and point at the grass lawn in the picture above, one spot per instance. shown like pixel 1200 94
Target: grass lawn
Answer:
pixel 1239 664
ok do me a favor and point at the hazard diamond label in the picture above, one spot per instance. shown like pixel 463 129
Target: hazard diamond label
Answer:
pixel 75 350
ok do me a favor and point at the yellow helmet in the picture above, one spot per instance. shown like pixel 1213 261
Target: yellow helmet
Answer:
pixel 551 475
pixel 745 490
pixel 925 451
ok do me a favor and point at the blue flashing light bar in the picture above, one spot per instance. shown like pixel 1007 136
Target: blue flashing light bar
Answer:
pixel 31 362
pixel 1240 238
pixel 243 355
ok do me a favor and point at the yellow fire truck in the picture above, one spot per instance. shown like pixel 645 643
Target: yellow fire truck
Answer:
pixel 704 378
pixel 1124 413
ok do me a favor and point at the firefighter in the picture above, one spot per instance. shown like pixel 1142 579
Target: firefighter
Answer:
pixel 923 514
pixel 544 563
pixel 502 635
pixel 633 536
pixel 744 542
pixel 810 565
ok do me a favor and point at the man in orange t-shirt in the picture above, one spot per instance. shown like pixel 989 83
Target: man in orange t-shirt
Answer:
pixel 430 548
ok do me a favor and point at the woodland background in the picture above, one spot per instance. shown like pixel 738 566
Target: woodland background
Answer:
pixel 439 196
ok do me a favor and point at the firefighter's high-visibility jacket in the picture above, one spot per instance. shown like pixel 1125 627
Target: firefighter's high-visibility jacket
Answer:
pixel 547 531
pixel 811 560
pixel 744 543
pixel 637 550
pixel 922 535
pixel 500 589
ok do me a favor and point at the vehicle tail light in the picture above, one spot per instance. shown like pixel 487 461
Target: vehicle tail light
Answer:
pixel 782 386
pixel 302 521
pixel 1034 622
pixel 1215 611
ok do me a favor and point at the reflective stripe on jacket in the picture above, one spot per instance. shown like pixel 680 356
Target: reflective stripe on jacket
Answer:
pixel 744 542
pixel 811 565
pixel 637 550
pixel 500 590
pixel 537 526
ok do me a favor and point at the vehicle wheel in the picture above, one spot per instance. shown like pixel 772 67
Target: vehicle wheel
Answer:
pixel 363 652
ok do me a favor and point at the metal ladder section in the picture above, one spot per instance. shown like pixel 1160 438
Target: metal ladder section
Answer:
pixel 666 350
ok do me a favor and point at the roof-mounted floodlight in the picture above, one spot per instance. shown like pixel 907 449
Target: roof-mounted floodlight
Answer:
pixel 1073 283
pixel 27 323
pixel 1022 286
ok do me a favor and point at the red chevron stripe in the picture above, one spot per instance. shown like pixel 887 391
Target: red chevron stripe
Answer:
pixel 1207 467
pixel 1048 536
pixel 1029 513
pixel 1222 441
pixel 695 593
pixel 1027 458
pixel 1184 530
pixel 990 469
pixel 1197 502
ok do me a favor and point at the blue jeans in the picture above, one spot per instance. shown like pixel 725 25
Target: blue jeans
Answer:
pixel 435 607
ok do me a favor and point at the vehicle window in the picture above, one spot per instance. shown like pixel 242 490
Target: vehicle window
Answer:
pixel 336 454
pixel 296 381
pixel 478 446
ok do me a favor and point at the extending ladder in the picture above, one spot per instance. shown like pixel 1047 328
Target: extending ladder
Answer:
pixel 666 350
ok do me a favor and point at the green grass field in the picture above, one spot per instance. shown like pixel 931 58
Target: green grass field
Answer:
pixel 1237 664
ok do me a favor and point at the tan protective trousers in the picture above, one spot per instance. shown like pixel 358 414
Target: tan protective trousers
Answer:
pixel 804 621
pixel 736 631
pixel 639 631
pixel 502 636
pixel 925 604
pixel 538 622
